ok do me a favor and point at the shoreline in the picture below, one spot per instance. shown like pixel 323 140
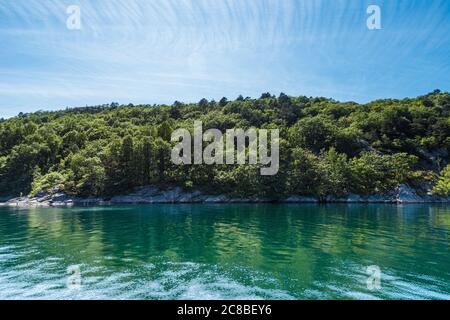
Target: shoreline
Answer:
pixel 113 204
pixel 152 195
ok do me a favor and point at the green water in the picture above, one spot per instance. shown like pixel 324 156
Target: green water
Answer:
pixel 226 252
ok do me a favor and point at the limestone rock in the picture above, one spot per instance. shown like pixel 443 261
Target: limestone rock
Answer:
pixel 301 199
pixel 406 194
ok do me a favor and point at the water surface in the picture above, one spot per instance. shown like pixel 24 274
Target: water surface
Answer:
pixel 226 252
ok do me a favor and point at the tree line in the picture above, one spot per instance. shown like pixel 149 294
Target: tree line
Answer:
pixel 326 147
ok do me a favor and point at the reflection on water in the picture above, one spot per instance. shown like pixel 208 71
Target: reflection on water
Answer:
pixel 226 252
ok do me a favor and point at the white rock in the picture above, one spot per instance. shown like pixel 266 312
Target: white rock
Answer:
pixel 355 198
pixel 216 199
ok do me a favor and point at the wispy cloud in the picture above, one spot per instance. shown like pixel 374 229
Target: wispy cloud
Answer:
pixel 166 50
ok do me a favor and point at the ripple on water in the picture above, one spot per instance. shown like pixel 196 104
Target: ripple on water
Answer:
pixel 225 252
pixel 173 281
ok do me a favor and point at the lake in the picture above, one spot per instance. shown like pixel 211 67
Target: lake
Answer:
pixel 226 252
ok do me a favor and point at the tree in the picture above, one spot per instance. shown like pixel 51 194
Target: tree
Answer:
pixel 50 182
pixel 165 131
pixel 203 104
pixel 128 164
pixel 373 172
pixel 306 176
pixel 315 133
pixel 326 147
pixel 223 102
pixel 337 172
pixel 147 160
pixel 87 175
pixel 162 151
pixel 442 187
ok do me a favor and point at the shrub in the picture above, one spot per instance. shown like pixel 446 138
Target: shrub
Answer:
pixel 442 187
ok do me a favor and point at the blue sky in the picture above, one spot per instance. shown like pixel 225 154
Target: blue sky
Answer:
pixel 158 51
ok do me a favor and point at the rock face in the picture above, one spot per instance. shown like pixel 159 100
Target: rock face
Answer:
pixel 355 198
pixel 154 195
pixel 216 199
pixel 379 198
pixel 301 199
pixel 53 200
pixel 403 194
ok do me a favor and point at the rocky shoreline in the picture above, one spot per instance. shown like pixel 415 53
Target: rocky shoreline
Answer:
pixel 152 195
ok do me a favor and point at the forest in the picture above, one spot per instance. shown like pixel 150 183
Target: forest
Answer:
pixel 327 147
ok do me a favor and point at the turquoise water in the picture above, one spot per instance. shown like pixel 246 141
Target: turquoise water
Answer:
pixel 226 252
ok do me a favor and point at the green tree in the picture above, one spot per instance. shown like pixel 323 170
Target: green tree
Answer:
pixel 442 187
pixel 165 130
pixel 326 147
pixel 315 133
pixel 128 163
pixel 52 181
pixel 87 175
pixel 306 176
pixel 337 172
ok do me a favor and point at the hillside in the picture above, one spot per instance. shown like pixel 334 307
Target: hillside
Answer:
pixel 326 148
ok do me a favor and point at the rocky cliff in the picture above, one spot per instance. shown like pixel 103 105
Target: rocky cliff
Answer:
pixel 152 195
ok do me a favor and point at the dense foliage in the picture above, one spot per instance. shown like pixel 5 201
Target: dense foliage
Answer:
pixel 442 187
pixel 327 147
